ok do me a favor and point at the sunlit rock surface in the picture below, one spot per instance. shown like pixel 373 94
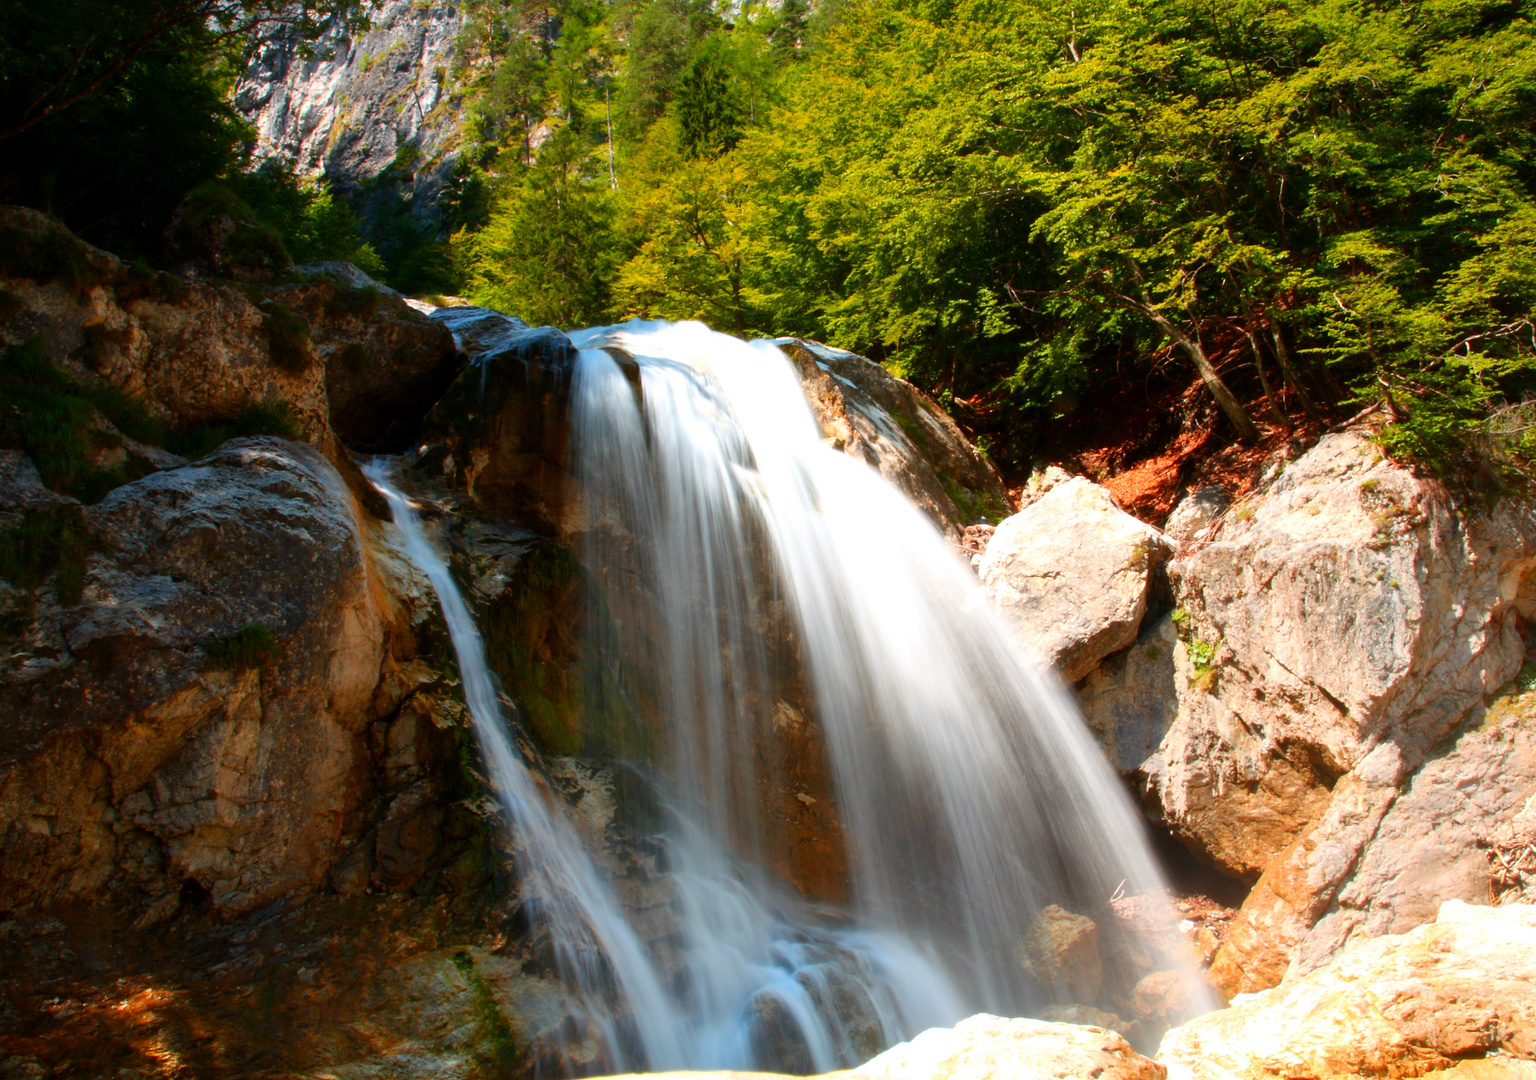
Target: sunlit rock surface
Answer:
pixel 986 1047
pixel 869 414
pixel 1072 573
pixel 363 372
pixel 348 110
pixel 1402 1005
pixel 134 760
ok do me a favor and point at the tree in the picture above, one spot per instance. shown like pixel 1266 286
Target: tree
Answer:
pixel 548 253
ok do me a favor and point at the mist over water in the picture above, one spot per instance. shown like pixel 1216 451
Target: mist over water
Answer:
pixel 754 580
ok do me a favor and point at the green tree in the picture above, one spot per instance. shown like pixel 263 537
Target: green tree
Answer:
pixel 548 253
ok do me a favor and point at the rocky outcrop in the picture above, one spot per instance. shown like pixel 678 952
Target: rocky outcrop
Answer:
pixel 1310 716
pixel 1072 573
pixel 986 1047
pixel 869 414
pixel 355 364
pixel 1447 992
pixel 501 433
pixel 347 110
pixel 226 646
pixel 384 362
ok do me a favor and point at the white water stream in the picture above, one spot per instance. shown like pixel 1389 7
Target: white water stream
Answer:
pixel 970 792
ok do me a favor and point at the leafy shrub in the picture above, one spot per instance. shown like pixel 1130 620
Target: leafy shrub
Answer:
pixel 252 646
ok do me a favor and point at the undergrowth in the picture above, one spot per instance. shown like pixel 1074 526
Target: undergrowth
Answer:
pixel 265 418
pixel 52 419
pixel 55 420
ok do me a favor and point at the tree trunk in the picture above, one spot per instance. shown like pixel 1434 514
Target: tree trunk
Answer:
pixel 1283 355
pixel 1246 429
pixel 1275 411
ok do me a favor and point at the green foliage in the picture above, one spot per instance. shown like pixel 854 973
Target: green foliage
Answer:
pixel 1016 204
pixel 252 646
pixel 311 221
pixel 287 337
pixel 56 541
pixel 53 420
pixel 265 418
pixel 548 251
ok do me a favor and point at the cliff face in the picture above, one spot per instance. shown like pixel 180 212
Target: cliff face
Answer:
pixel 348 112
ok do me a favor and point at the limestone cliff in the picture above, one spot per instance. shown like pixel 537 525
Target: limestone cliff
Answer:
pixel 348 110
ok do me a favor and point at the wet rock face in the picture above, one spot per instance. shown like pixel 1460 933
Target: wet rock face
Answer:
pixel 501 433
pixel 150 727
pixel 1073 574
pixel 986 1047
pixel 347 111
pixel 871 415
pixel 1454 989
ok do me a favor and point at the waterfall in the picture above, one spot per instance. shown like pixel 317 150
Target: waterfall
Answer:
pixel 752 574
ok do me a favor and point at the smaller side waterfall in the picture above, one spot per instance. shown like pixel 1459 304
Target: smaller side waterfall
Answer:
pixel 753 971
pixel 595 946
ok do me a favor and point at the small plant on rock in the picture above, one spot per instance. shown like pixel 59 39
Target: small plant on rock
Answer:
pixel 1202 654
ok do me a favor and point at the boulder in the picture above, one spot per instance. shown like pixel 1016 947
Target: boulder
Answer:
pixel 1130 700
pixel 1073 574
pixel 501 432
pixel 1347 604
pixel 985 1047
pixel 1196 512
pixel 350 359
pixel 197 711
pixel 870 414
pixel 1061 953
pixel 1401 1005
pixel 385 363
pixel 1391 845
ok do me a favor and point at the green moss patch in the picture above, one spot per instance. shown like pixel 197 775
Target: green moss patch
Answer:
pixel 364 302
pixel 51 255
pixel 498 1048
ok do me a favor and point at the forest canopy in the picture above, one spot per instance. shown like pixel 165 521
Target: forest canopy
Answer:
pixel 1011 202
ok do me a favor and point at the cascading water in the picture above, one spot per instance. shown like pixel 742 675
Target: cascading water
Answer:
pixel 719 528
pixel 742 952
